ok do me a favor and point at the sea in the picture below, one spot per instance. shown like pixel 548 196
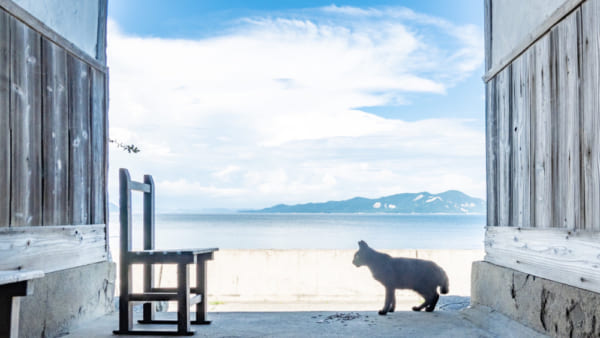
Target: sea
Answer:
pixel 309 231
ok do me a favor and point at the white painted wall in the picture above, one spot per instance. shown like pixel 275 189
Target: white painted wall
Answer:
pixel 75 20
pixel 513 20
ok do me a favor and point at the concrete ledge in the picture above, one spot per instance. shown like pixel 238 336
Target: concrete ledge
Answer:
pixel 309 276
pixel 63 298
pixel 498 324
pixel 552 308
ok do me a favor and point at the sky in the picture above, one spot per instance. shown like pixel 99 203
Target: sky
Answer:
pixel 247 104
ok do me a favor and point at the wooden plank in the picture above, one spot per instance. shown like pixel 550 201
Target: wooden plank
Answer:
pixel 51 248
pixel 106 138
pixel 491 151
pixel 35 24
pixel 542 135
pixel 564 10
pixel 98 144
pixel 149 241
pixel 9 315
pixel 569 257
pixel 201 290
pixel 4 119
pixel 152 296
pixel 25 102
pixel 101 36
pixel 125 219
pixel 503 108
pixel 55 135
pixel 590 114
pixel 521 137
pixel 138 186
pixel 487 23
pixel 79 140
pixel 566 166
pixel 195 290
pixel 183 305
pixel 187 256
pixel 15 276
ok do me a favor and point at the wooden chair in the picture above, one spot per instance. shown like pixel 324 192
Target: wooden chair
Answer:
pixel 185 295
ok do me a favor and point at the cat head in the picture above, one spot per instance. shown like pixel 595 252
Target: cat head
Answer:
pixel 359 255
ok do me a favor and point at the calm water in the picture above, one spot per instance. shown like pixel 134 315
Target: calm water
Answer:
pixel 312 231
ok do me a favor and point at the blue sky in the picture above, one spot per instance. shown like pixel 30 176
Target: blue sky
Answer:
pixel 246 104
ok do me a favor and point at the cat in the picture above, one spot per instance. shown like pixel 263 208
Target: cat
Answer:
pixel 419 275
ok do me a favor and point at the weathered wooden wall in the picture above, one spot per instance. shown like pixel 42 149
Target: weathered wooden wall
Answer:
pixel 52 131
pixel 543 143
pixel 51 248
pixel 543 152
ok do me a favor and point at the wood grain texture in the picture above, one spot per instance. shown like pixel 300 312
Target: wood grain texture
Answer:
pixel 15 276
pixel 504 119
pixel 491 153
pixel 520 142
pixel 564 10
pixel 14 10
pixel 566 166
pixel 79 141
pixel 102 32
pixel 4 120
pixel 55 135
pixel 25 101
pixel 51 248
pixel 487 14
pixel 541 135
pixel 98 148
pixel 590 114
pixel 557 254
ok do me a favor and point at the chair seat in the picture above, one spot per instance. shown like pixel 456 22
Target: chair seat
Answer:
pixel 188 256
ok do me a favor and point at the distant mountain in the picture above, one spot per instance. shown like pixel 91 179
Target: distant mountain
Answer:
pixel 452 201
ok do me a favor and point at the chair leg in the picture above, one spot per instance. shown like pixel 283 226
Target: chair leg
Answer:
pixel 201 308
pixel 125 307
pixel 148 308
pixel 183 298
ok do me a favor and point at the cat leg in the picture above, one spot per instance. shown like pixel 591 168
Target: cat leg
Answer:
pixel 431 306
pixel 389 295
pixel 393 304
pixel 426 296
pixel 420 307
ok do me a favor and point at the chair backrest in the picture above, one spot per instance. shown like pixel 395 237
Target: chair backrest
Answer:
pixel 126 185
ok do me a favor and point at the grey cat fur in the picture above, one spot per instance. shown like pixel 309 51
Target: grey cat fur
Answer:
pixel 419 275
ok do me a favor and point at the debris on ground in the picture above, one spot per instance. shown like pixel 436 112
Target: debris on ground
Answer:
pixel 340 317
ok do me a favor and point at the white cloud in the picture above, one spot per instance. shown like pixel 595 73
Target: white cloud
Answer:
pixel 269 111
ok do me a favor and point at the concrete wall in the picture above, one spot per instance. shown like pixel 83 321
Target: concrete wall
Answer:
pixel 62 298
pixel 310 275
pixel 513 20
pixel 553 308
pixel 75 20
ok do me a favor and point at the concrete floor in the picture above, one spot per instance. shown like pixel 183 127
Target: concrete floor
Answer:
pixel 450 319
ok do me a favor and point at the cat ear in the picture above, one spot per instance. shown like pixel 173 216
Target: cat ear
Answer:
pixel 362 244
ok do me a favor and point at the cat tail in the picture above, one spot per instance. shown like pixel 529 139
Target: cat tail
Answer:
pixel 444 283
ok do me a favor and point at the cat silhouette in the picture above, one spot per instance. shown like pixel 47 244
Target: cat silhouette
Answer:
pixel 419 275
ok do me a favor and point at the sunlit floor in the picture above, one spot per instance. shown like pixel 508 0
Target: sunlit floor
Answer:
pixel 449 320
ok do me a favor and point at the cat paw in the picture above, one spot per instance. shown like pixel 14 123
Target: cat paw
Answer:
pixel 416 308
pixel 391 310
pixel 382 313
pixel 429 309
